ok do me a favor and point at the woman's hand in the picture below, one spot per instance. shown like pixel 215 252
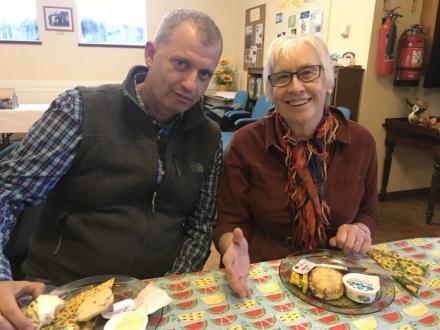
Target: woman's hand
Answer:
pixel 11 317
pixel 236 262
pixel 352 238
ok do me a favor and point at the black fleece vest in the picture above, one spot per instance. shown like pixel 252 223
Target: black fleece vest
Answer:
pixel 100 218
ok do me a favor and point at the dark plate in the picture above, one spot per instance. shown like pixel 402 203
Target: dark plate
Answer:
pixel 88 282
pixel 343 305
pixel 123 288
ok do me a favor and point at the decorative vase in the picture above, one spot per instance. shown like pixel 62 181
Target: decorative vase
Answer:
pixel 222 87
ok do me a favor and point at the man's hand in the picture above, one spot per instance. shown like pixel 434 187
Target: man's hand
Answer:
pixel 11 317
pixel 236 262
pixel 352 238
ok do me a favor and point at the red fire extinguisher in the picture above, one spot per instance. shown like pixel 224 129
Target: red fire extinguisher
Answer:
pixel 410 52
pixel 387 38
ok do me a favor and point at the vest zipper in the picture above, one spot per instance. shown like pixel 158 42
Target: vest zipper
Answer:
pixel 153 207
pixel 58 247
pixel 179 172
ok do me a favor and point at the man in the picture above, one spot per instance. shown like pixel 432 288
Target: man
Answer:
pixel 130 171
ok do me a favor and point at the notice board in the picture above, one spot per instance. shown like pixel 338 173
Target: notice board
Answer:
pixel 254 37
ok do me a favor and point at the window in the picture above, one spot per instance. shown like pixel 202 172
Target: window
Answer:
pixel 112 22
pixel 18 21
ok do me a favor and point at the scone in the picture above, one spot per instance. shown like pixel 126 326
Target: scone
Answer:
pixel 95 304
pixel 42 310
pixel 326 283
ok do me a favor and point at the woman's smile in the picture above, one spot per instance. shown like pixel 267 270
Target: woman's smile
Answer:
pixel 299 102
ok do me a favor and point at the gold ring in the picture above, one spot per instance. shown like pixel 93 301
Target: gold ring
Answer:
pixel 358 243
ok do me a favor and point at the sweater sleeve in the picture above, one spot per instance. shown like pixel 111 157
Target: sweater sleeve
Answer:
pixel 368 207
pixel 234 196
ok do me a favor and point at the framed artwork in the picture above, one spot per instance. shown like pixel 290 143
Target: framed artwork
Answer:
pixel 58 18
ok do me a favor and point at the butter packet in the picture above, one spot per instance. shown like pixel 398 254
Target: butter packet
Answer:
pixel 412 273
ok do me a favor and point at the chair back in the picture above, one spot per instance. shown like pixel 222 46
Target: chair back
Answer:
pixel 345 111
pixel 240 100
pixel 18 245
pixel 261 108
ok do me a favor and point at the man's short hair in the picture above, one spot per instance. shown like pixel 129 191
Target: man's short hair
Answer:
pixel 209 32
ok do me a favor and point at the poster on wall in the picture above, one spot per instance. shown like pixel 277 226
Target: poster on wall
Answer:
pixel 255 14
pixel 259 35
pixel 253 57
pixel 248 37
pixel 316 21
pixel 291 22
pixel 278 18
pixel 304 21
pixel 280 34
pixel 254 37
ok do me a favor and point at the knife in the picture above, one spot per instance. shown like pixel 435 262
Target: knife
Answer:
pixel 358 269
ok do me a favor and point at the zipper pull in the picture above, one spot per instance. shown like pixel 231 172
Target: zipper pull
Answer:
pixel 153 207
pixel 179 172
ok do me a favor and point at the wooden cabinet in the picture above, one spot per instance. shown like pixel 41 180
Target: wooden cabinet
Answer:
pixel 347 90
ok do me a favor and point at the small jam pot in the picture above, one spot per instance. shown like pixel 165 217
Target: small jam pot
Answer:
pixel 132 320
pixel 361 288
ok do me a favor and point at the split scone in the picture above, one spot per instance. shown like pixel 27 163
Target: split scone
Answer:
pixel 326 283
pixel 42 310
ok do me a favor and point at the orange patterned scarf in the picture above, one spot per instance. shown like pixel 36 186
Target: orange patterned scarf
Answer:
pixel 307 173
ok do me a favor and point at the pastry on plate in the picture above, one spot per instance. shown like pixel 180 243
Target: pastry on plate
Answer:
pixel 326 283
pixel 95 304
pixel 88 302
pixel 42 310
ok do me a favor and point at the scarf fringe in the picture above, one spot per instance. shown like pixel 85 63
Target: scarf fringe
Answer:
pixel 306 163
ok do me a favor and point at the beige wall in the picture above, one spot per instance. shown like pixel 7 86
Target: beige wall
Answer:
pixel 358 17
pixel 411 168
pixel 60 58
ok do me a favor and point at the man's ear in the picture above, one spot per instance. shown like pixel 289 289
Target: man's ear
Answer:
pixel 149 53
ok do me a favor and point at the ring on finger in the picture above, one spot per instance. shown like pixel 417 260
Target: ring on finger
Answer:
pixel 358 243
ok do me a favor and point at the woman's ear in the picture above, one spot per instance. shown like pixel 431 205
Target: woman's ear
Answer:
pixel 149 53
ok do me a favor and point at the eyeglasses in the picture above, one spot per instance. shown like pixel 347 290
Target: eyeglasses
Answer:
pixel 306 74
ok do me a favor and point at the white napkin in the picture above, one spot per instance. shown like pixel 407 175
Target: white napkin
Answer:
pixel 151 298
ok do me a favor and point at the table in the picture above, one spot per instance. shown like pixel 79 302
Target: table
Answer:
pixel 204 301
pixel 399 131
pixel 218 98
pixel 20 119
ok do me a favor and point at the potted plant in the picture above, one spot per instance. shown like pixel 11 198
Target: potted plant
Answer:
pixel 224 75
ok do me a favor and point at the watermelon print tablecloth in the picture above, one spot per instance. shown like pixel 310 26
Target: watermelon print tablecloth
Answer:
pixel 204 300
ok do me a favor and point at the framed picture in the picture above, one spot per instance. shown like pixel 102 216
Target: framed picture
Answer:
pixel 58 18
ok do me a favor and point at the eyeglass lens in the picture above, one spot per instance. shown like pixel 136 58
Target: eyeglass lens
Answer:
pixel 306 74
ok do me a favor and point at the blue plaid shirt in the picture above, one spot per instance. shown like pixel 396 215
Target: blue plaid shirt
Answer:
pixel 29 173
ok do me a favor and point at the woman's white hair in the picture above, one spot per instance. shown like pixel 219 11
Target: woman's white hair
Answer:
pixel 283 47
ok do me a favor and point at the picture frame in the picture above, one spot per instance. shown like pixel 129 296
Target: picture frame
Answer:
pixel 58 18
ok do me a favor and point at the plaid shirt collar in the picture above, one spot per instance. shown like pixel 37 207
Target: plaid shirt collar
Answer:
pixel 162 131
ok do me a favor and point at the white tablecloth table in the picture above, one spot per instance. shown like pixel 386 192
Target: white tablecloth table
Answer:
pixel 20 119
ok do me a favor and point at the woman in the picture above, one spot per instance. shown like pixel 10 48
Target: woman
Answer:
pixel 303 177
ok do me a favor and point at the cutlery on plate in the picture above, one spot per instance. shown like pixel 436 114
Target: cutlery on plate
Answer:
pixel 358 269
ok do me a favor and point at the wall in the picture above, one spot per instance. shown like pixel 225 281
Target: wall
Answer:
pixel 359 20
pixel 334 17
pixel 40 72
pixel 411 169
